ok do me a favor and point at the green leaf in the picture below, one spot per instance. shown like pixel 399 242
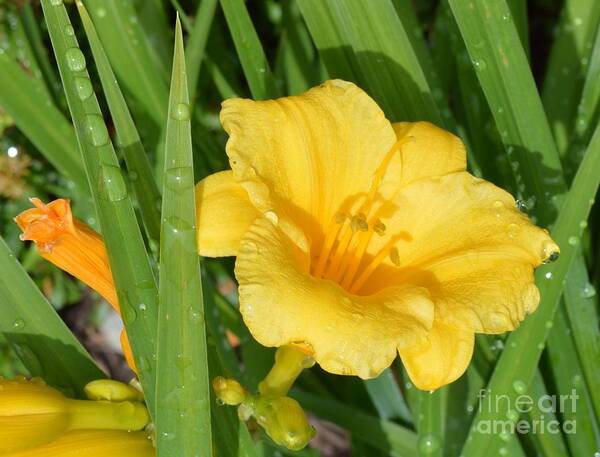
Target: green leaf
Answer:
pixel 42 341
pixel 182 384
pixel 504 74
pixel 567 64
pixel 381 434
pixel 367 43
pixel 47 129
pixel 196 42
pixel 250 51
pixel 516 366
pixel 132 56
pixel 130 266
pixel 129 142
pixel 387 397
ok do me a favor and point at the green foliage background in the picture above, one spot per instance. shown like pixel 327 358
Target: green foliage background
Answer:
pixel 87 98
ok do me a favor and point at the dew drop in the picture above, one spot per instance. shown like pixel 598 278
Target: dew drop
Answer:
pixel 167 436
pixel 479 64
pixel 75 59
pixel 541 346
pixel 56 2
pixel 195 316
pixel 101 12
pixel 504 436
pixel 506 16
pixel 588 291
pixel 95 130
pixel 519 387
pixel 549 324
pixel 111 185
pixel 179 179
pixel 142 307
pixel 181 112
pixel 429 444
pixel 573 240
pixel 521 206
pixel 83 87
pixel 503 451
pixel 512 415
pixel 583 224
pixel 69 31
pixel 513 230
pixel 576 379
pixel 129 314
pixel 19 324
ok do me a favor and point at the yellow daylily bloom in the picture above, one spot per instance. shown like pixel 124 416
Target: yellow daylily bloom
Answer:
pixel 94 443
pixel 361 238
pixel 74 247
pixel 32 414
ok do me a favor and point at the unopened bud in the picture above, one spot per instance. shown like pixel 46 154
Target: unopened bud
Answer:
pixel 229 391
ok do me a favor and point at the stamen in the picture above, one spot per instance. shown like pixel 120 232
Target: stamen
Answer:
pixel 395 256
pixel 330 237
pixel 380 172
pixel 356 260
pixel 387 250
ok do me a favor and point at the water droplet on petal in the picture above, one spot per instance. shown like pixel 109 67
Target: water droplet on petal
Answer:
pixel 272 216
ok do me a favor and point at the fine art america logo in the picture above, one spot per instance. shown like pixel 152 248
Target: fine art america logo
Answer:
pixel 526 414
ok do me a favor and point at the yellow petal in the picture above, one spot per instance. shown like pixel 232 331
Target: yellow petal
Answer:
pixel 281 303
pixel 223 214
pixel 94 444
pixel 431 151
pixel 309 156
pixel 439 360
pixel 464 240
pixel 31 414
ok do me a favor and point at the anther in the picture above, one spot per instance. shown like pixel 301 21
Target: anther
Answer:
pixel 359 223
pixel 395 256
pixel 379 228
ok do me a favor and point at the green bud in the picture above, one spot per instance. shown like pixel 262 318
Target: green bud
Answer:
pixel 284 421
pixel 229 391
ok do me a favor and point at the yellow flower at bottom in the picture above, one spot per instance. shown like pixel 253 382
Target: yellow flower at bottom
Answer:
pixel 32 414
pixel 94 443
pixel 73 247
pixel 361 238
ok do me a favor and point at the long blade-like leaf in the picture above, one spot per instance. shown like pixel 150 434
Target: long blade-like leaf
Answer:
pixel 129 142
pixel 182 385
pixel 129 261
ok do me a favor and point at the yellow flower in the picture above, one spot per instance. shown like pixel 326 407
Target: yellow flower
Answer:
pixel 33 414
pixel 72 246
pixel 94 443
pixel 360 238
